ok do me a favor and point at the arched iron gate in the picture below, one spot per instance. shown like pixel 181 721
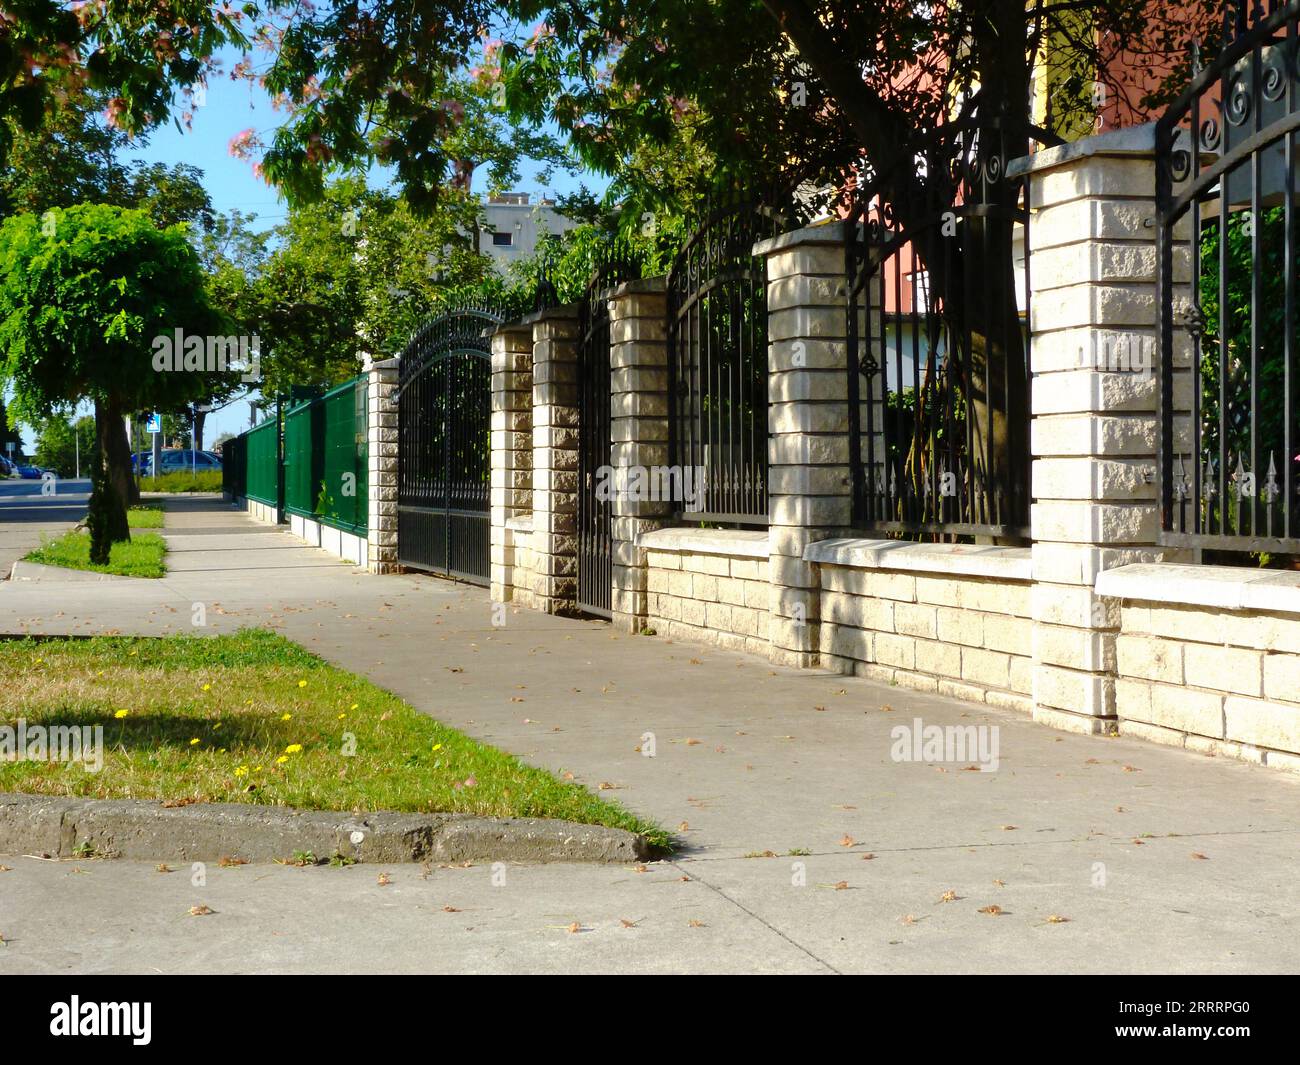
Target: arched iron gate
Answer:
pixel 595 441
pixel 1226 225
pixel 444 466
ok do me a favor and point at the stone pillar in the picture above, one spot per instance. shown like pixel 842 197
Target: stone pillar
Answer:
pixel 555 458
pixel 638 357
pixel 512 446
pixel 809 484
pixel 381 466
pixel 1093 432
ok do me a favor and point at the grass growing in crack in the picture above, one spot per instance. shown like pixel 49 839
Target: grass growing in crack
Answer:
pixel 255 718
pixel 145 516
pixel 141 556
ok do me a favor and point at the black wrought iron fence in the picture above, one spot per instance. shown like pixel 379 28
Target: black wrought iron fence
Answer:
pixel 1226 232
pixel 938 345
pixel 717 356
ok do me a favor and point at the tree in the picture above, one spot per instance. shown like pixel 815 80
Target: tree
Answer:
pixel 143 57
pixel 87 305
pixel 66 446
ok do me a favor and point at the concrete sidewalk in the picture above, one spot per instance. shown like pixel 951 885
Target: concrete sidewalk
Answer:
pixel 748 760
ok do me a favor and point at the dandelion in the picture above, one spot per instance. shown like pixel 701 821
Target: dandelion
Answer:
pixel 354 706
pixel 241 771
pixel 286 717
pixel 437 746
pixel 302 684
pixel 121 714
pixel 132 653
pixel 207 687
pixel 293 748
pixel 282 759
pixel 194 741
pixel 39 661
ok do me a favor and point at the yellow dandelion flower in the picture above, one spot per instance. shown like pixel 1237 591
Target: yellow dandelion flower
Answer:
pixel 437 746
pixel 293 748
pixel 282 759
pixel 194 741
pixel 342 716
pixel 39 661
pixel 354 706
pixel 207 687
pixel 302 684
pixel 241 771
pixel 257 769
pixel 286 717
pixel 121 714
pixel 131 653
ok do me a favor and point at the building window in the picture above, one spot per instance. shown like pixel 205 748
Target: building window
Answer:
pixel 503 240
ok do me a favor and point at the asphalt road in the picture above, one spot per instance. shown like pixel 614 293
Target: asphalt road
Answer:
pixel 27 516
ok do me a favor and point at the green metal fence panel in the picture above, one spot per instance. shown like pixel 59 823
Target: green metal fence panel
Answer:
pixel 326 456
pixel 344 497
pixel 301 481
pixel 262 462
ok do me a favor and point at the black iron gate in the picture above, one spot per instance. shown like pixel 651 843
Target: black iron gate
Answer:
pixel 444 447
pixel 596 476
pixel 1228 208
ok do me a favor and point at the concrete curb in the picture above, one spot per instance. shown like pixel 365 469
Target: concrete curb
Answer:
pixel 36 571
pixel 145 830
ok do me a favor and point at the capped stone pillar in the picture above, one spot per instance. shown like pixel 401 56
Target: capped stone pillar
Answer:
pixel 1093 432
pixel 809 483
pixel 512 446
pixel 381 466
pixel 638 359
pixel 555 458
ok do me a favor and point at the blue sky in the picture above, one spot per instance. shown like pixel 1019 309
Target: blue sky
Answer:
pixel 230 108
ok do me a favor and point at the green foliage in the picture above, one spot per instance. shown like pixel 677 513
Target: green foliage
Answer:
pixel 140 56
pixel 1270 322
pixel 59 442
pixel 82 295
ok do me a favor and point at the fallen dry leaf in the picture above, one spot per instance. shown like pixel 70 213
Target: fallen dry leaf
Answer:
pixel 993 911
pixel 628 924
pixel 573 928
pixel 199 911
pixel 949 896
pixel 229 862
pixel 867 857
pixel 1200 856
pixel 450 909
pixel 1056 918
pixel 693 923
pixel 841 885
pixel 847 840
pixel 383 880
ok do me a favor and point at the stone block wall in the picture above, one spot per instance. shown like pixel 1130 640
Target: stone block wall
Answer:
pixel 709 586
pixel 924 617
pixel 1220 675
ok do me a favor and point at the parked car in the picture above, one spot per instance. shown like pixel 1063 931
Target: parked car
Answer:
pixel 7 468
pixel 179 461
pixel 30 473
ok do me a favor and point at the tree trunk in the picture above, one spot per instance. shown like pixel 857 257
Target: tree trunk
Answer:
pixel 117 485
pixel 200 416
